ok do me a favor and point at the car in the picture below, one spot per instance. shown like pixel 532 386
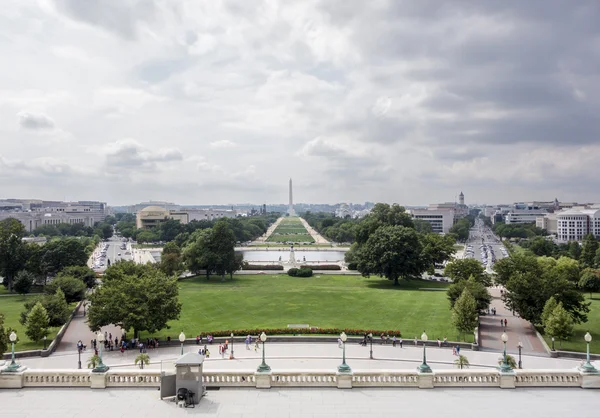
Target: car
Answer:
pixel 118 253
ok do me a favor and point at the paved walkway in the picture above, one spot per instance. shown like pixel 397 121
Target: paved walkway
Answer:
pixel 79 330
pixel 305 403
pixel 319 239
pixel 517 330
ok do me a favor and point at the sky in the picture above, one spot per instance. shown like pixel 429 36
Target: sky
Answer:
pixel 222 101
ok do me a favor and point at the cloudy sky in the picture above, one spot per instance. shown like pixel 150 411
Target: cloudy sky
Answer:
pixel 221 101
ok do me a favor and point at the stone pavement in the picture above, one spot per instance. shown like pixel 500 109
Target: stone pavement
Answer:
pixel 517 330
pixel 305 403
pixel 79 330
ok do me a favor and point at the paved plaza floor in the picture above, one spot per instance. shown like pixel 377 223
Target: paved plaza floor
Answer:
pixel 305 403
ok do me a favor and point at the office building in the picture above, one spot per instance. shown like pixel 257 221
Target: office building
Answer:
pixel 575 223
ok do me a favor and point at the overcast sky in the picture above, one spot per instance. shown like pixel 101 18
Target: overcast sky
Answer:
pixel 222 101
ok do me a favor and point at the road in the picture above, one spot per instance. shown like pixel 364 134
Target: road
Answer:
pixel 481 235
pixel 114 253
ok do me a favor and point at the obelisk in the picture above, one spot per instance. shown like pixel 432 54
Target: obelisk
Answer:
pixel 291 208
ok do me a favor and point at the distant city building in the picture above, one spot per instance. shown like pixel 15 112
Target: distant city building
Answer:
pixel 140 206
pixel 151 216
pixel 548 222
pixel 523 216
pixel 441 220
pixel 35 213
pixel 575 223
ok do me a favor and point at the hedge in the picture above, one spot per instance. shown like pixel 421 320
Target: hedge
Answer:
pixel 313 330
pixel 301 272
pixel 262 267
pixel 322 267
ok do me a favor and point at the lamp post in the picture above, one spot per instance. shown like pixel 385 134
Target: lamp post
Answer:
pixel 552 343
pixel 101 367
pixel 588 367
pixel 520 345
pixel 264 367
pixel 424 368
pixel 371 341
pixel 13 366
pixel 45 342
pixel 505 368
pixel 79 354
pixel 344 368
pixel 231 357
pixel 182 340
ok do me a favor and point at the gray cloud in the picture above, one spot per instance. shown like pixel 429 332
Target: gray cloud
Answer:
pixel 35 121
pixel 129 154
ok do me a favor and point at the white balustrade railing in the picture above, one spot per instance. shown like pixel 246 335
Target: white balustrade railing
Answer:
pixel 466 378
pixel 385 378
pixel 548 378
pixel 306 378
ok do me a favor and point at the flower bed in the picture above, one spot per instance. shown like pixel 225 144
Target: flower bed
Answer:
pixel 304 331
pixel 321 266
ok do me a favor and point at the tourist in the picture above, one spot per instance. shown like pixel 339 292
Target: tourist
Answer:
pixel 394 341
pixel 110 336
pixel 445 341
pixel 339 343
pixel 247 341
pixel 439 342
pixel 458 350
pixel 382 338
pixel 453 350
pixel 501 322
pixel 105 335
pixel 256 344
pixel 79 345
pixel 505 323
pixel 116 341
pixel 416 341
pixel 197 340
pixel 220 350
pixel 401 342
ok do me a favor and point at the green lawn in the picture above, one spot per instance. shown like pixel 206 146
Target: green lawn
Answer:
pixel 11 307
pixel 276 237
pixel 290 230
pixel 274 301
pixel 577 343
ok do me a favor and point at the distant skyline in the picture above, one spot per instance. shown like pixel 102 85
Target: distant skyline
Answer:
pixel 214 102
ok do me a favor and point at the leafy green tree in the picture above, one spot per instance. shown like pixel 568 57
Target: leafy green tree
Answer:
pixel 422 226
pixel 510 360
pixel 169 229
pixel 567 269
pixel 597 259
pixel 63 253
pixel 197 255
pixel 461 229
pixel 142 359
pixel 103 230
pixel 391 251
pixel 146 236
pixel 72 287
pixel 559 324
pixel 590 281
pixel 171 262
pixel 464 313
pixel 222 245
pixel 37 323
pixel 382 215
pixel 588 252
pixel 465 268
pixel 13 256
pixel 574 250
pixel 86 274
pixel 549 307
pixel 462 362
pixel 23 282
pixel 540 246
pixel 436 249
pixel 56 307
pixel 4 341
pixel 478 290
pixel 139 297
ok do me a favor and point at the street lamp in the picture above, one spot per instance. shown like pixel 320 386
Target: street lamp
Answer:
pixel 505 368
pixel 182 340
pixel 13 366
pixel 264 367
pixel 79 354
pixel 45 342
pixel 588 367
pixel 371 340
pixel 344 368
pixel 520 345
pixel 231 357
pixel 101 367
pixel 552 343
pixel 424 368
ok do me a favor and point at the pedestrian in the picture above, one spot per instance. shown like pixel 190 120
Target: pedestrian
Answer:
pixel 382 338
pixel 439 342
pixel 401 342
pixel 445 341
pixel 458 350
pixel 247 343
pixel 416 342
pixel 256 345
pixel 453 350
pixel 197 340
pixel 505 323
pixel 204 350
pixel 339 341
pixel 394 341
pixel 110 336
pixel 501 322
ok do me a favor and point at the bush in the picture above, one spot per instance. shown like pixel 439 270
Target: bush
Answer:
pixel 247 266
pixel 304 272
pixel 293 272
pixel 322 267
pixel 72 287
pixel 55 305
pixel 352 266
pixel 23 282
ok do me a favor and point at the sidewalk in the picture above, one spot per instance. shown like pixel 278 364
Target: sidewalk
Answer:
pixel 517 330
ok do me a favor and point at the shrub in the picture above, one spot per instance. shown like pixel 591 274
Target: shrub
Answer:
pixel 322 267
pixel 304 272
pixel 72 287
pixel 23 282
pixel 293 272
pixel 247 266
pixel 55 305
pixel 352 266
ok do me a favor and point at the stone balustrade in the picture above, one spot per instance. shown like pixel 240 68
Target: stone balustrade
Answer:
pixel 306 378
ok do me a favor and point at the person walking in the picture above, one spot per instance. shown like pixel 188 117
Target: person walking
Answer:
pixel 439 343
pixel 247 342
pixel 458 350
pixel 339 341
pixel 453 350
pixel 505 323
pixel 401 342
pixel 416 341
pixel 394 341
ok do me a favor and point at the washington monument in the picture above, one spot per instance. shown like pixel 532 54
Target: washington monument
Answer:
pixel 291 208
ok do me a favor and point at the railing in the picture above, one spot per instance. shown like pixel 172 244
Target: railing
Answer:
pixel 307 378
pixel 546 378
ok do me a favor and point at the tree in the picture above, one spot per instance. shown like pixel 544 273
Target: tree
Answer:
pixel 222 245
pixel 169 229
pixel 12 250
pixel 23 282
pixel 590 281
pixel 4 341
pixel 588 252
pixel 93 361
pixel 574 250
pixel 510 360
pixel 103 230
pixel 171 262
pixel 567 269
pixel 465 268
pixel 142 358
pixel 137 297
pixel 63 253
pixel 597 259
pixel 56 307
pixel 392 252
pixel 559 324
pixel 477 290
pixel 436 249
pixel 197 255
pixel 72 287
pixel 464 313
pixel 462 362
pixel 381 215
pixel 549 307
pixel 461 229
pixel 422 226
pixel 86 274
pixel 37 323
pixel 146 236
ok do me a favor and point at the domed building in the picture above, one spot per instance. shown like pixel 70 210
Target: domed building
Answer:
pixel 150 216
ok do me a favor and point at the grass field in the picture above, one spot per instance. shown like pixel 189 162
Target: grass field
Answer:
pixel 577 343
pixel 274 301
pixel 290 238
pixel 290 230
pixel 11 307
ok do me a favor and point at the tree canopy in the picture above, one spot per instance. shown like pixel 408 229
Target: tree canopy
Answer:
pixel 463 269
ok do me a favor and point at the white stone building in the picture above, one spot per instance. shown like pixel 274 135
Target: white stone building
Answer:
pixel 441 220
pixel 573 224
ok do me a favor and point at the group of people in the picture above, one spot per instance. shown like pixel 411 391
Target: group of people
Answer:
pixel 199 339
